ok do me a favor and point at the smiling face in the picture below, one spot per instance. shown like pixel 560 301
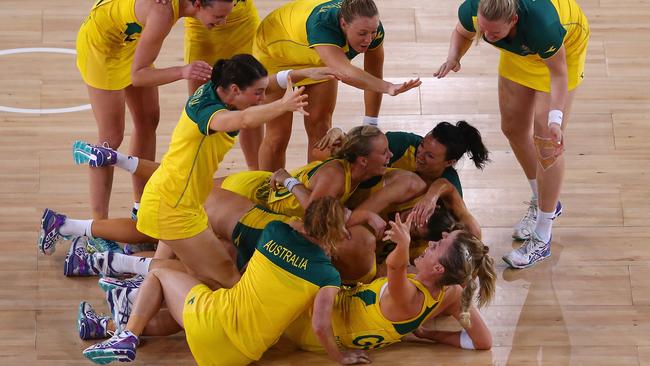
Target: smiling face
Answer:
pixel 429 260
pixel 250 96
pixel 360 32
pixel 430 158
pixel 495 30
pixel 213 14
pixel 379 156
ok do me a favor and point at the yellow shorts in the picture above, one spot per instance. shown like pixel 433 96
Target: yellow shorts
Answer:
pixel 531 71
pixel 222 41
pixel 160 220
pixel 277 53
pixel 102 66
pixel 208 341
pixel 246 183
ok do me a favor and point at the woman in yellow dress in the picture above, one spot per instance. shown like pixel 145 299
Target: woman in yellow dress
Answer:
pixel 116 47
pixel 289 268
pixel 543 47
pixel 381 313
pixel 307 33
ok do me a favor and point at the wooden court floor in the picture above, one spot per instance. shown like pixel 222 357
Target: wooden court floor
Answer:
pixel 589 304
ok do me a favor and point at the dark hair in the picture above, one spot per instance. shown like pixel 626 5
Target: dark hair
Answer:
pixel 441 221
pixel 204 3
pixel 351 9
pixel 460 139
pixel 242 70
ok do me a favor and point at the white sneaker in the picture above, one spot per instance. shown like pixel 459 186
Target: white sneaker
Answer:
pixel 120 306
pixel 530 252
pixel 526 225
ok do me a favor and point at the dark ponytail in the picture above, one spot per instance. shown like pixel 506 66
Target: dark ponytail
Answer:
pixel 460 139
pixel 242 70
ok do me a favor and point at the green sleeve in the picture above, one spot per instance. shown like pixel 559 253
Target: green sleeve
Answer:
pixel 399 142
pixel 202 105
pixel 323 29
pixel 466 13
pixel 452 176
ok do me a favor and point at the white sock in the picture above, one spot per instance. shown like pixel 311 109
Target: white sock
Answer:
pixel 127 162
pixel 544 225
pixel 533 187
pixel 136 205
pixel 72 227
pixel 130 264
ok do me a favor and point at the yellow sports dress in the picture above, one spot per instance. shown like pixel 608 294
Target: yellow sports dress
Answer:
pixel 106 43
pixel 172 203
pixel 542 28
pixel 287 36
pixel 357 320
pixel 249 228
pixel 236 326
pixel 222 41
pixel 250 184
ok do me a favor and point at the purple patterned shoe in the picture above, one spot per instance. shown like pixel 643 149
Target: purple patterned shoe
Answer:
pixel 91 325
pixel 109 283
pixel 49 235
pixel 78 262
pixel 120 347
pixel 93 155
pixel 120 306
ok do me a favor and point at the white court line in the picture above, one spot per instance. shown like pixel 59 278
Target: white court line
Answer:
pixel 14 51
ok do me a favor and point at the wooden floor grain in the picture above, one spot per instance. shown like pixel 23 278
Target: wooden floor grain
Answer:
pixel 587 305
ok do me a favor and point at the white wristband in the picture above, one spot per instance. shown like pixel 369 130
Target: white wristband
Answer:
pixel 290 182
pixel 465 340
pixel 283 78
pixel 555 116
pixel 372 121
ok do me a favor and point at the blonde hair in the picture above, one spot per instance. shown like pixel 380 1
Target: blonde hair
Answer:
pixel 357 142
pixel 325 221
pixel 493 10
pixel 466 259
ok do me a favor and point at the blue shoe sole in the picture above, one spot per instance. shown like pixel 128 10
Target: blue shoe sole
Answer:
pixel 81 152
pixel 105 356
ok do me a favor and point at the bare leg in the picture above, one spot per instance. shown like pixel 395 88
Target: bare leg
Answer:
pixel 250 141
pixel 550 180
pixel 516 103
pixel 122 230
pixel 145 169
pixel 319 120
pixel 272 152
pixel 145 112
pixel 207 259
pixel 108 109
pixel 170 285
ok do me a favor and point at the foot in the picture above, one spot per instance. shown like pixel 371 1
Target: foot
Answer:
pixel 103 264
pixel 78 262
pixel 90 324
pixel 109 283
pixel 103 245
pixel 120 347
pixel 530 252
pixel 120 306
pixel 526 225
pixel 51 223
pixel 93 155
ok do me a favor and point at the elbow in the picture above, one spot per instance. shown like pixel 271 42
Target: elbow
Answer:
pixel 137 80
pixel 484 343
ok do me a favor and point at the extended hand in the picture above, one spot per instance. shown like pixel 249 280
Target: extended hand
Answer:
pixel 395 89
pixel 294 100
pixel 446 67
pixel 197 70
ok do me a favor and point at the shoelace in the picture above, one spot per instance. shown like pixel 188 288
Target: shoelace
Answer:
pixel 531 215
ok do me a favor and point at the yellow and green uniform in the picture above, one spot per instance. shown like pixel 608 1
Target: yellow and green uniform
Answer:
pixel 283 276
pixel 357 320
pixel 287 36
pixel 543 27
pixel 249 229
pixel 172 203
pixel 222 41
pixel 248 184
pixel 404 146
pixel 106 43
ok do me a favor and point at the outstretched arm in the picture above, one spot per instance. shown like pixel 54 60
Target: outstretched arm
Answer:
pixel 461 40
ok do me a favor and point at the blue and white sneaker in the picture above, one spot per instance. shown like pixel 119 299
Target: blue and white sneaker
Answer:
pixel 120 347
pixel 93 155
pixel 98 245
pixel 49 235
pixel 109 283
pixel 90 324
pixel 120 306
pixel 78 262
pixel 530 252
pixel 527 224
